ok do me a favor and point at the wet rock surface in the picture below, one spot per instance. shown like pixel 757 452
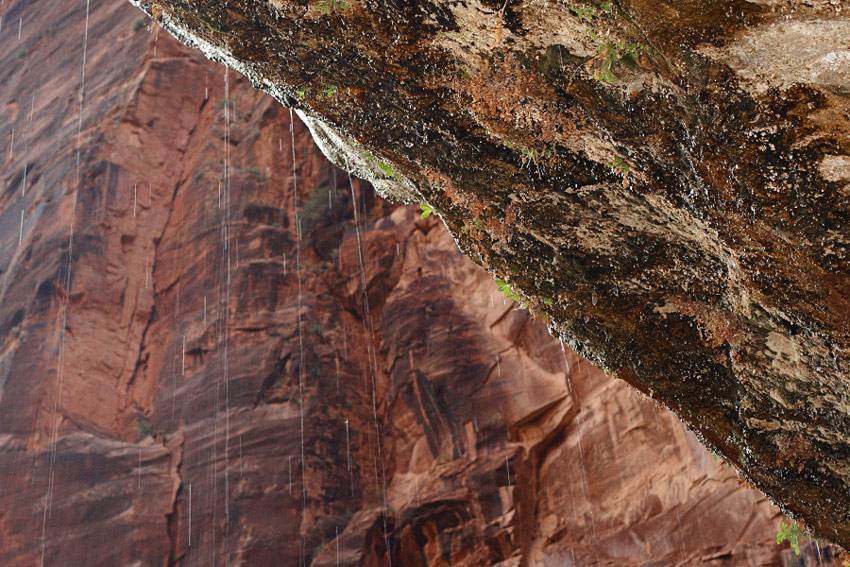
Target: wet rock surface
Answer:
pixel 168 397
pixel 665 182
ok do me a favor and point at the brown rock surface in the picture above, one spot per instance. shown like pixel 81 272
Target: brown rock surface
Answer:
pixel 199 410
pixel 666 180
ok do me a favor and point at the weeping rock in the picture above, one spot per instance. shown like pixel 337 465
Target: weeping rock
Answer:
pixel 666 183
pixel 149 418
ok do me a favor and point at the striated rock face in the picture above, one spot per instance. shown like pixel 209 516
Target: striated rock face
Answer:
pixel 666 181
pixel 183 383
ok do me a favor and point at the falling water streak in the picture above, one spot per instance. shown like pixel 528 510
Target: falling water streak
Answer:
pixel 681 535
pixel 173 388
pixel 27 147
pixel 820 559
pixel 348 453
pixel 21 233
pixel 348 444
pixel 372 356
pixel 190 514
pixel 566 368
pixel 508 467
pixel 64 317
pixel 20 25
pixel 12 144
pixel 583 469
pixel 300 334
pixel 226 318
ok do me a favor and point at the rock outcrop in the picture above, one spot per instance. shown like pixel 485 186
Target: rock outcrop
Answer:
pixel 667 182
pixel 183 383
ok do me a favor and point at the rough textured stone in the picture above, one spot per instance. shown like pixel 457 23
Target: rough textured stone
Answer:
pixel 496 446
pixel 665 181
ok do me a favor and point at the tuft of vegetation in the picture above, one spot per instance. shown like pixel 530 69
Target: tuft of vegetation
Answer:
pixel 215 26
pixel 427 210
pixel 790 532
pixel 144 426
pixel 386 168
pixel 508 291
pixel 611 51
pixel 328 6
pixel 619 165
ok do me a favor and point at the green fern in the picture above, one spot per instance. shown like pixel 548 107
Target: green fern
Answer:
pixel 508 291
pixel 791 533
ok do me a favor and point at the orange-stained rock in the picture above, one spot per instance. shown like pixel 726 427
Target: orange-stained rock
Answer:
pixel 203 412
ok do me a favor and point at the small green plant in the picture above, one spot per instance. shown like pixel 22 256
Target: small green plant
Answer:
pixel 547 301
pixel 619 165
pixel 215 26
pixel 144 426
pixel 16 331
pixel 508 291
pixel 329 6
pixel 611 52
pixel 330 90
pixel 427 210
pixel 476 223
pixel 585 13
pixel 387 169
pixel 791 533
pixel 138 24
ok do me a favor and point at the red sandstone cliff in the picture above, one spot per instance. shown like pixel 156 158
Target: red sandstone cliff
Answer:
pixel 204 412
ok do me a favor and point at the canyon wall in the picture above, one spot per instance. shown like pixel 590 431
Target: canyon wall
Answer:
pixel 665 182
pixel 184 380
